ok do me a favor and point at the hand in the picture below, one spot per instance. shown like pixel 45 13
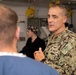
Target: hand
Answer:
pixel 38 55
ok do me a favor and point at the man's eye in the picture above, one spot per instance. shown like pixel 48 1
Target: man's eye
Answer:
pixel 54 16
pixel 48 16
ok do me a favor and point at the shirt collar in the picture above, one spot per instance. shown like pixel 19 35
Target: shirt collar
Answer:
pixel 12 54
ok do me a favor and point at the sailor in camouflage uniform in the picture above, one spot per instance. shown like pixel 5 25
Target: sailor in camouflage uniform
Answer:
pixel 60 52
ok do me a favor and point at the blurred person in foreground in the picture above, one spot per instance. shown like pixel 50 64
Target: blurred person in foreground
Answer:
pixel 11 62
pixel 33 42
pixel 60 52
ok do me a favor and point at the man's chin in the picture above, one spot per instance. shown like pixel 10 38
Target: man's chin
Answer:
pixel 52 30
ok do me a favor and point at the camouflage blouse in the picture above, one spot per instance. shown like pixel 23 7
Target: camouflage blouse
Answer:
pixel 60 52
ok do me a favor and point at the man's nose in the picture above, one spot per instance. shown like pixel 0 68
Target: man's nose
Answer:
pixel 50 19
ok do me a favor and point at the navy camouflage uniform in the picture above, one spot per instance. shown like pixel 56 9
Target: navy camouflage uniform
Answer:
pixel 60 52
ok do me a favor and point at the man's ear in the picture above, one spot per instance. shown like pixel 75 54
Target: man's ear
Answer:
pixel 65 19
pixel 17 33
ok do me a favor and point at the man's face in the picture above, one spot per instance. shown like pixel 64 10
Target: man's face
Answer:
pixel 56 19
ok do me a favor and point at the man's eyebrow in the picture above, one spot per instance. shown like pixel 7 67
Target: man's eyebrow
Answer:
pixel 54 15
pixel 51 15
pixel 48 15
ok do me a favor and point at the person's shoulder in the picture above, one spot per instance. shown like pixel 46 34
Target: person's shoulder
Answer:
pixel 69 42
pixel 27 66
pixel 70 34
pixel 37 66
pixel 40 39
pixel 29 38
pixel 46 70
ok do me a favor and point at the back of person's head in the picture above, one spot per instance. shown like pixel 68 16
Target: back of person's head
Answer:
pixel 62 7
pixel 8 24
pixel 34 29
